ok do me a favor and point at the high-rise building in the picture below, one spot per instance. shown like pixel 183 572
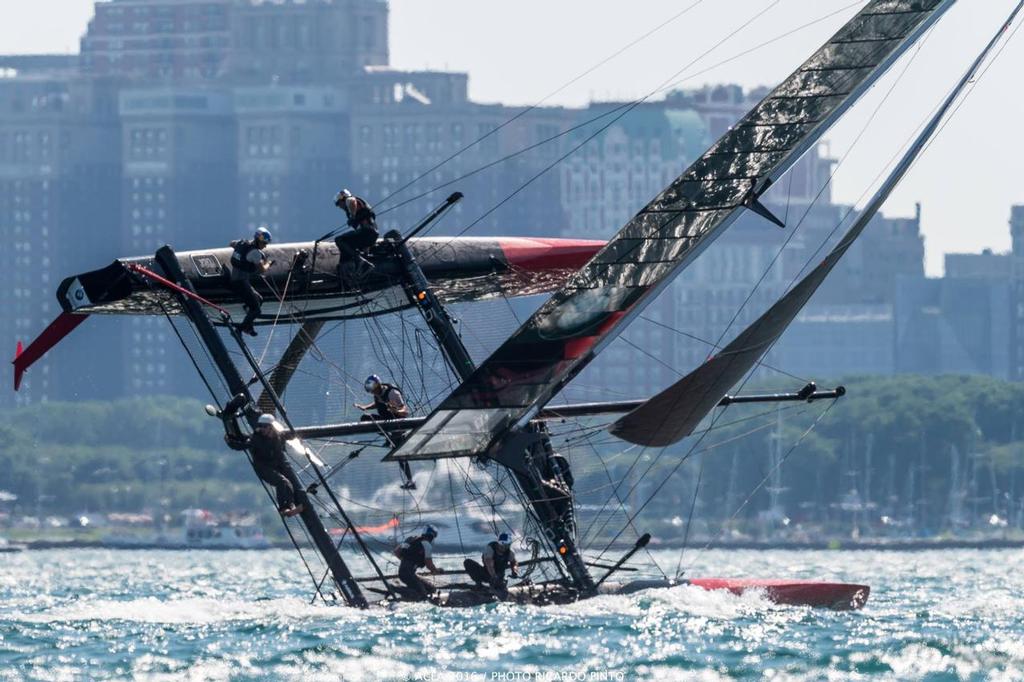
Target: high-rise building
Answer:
pixel 288 41
pixel 1017 294
pixel 194 121
pixel 416 138
pixel 59 188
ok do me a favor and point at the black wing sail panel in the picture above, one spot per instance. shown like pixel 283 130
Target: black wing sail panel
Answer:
pixel 674 413
pixel 671 231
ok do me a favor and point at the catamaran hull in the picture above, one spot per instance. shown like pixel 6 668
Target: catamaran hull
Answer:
pixel 304 281
pixel 835 596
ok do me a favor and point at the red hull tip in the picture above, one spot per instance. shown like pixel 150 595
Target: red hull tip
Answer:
pixel 839 596
pixel 58 329
pixel 535 254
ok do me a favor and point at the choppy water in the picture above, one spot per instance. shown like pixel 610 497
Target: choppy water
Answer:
pixel 241 615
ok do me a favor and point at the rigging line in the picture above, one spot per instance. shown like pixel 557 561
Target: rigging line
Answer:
pixel 667 477
pixel 821 191
pixel 715 346
pixel 952 114
pixel 603 128
pixel 188 351
pixel 767 477
pixel 547 97
pixel 652 356
pixel 627 105
pixel 280 306
pixel 713 427
pixel 674 214
pixel 389 350
pixel 775 259
pixel 503 159
pixel 622 509
pixel 693 448
pixel 689 518
pixel 327 572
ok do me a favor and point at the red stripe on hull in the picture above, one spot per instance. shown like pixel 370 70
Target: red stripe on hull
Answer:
pixel 794 592
pixel 538 255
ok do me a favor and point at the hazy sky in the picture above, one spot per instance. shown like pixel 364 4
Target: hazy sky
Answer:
pixel 520 52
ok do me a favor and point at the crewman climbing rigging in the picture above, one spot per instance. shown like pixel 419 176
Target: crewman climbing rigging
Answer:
pixel 389 403
pixel 266 445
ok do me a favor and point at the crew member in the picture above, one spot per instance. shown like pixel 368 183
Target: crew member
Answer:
pixel 389 404
pixel 248 261
pixel 387 400
pixel 414 553
pixel 266 445
pixel 497 558
pixel 363 222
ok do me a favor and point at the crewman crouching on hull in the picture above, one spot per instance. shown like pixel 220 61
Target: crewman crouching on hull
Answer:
pixel 497 558
pixel 354 244
pixel 414 553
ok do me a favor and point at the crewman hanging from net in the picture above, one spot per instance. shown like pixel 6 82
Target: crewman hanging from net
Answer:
pixel 248 261
pixel 352 245
pixel 389 404
pixel 414 553
pixel 266 445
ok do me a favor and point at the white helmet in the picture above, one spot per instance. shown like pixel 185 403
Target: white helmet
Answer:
pixel 341 196
pixel 266 420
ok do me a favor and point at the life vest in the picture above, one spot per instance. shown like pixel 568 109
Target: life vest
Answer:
pixel 413 551
pixel 240 257
pixel 359 212
pixel 501 559
pixel 380 402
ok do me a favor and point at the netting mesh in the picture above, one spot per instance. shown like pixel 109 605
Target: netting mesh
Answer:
pixel 469 502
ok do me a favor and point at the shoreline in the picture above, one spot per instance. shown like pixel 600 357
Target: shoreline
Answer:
pixel 827 545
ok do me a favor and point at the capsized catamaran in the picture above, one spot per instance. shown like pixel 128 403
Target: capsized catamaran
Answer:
pixel 499 419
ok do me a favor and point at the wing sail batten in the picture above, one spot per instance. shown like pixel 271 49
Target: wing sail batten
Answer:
pixel 586 314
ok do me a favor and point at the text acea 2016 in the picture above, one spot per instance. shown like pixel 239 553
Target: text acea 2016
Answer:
pixel 523 676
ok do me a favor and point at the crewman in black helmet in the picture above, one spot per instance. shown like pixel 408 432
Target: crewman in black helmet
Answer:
pixel 248 261
pixel 414 553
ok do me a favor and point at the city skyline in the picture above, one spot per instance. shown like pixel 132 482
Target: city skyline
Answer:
pixel 500 72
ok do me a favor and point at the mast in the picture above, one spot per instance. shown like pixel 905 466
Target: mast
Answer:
pixel 531 459
pixel 343 577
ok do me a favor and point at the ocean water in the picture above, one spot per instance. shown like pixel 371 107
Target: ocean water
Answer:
pixel 96 615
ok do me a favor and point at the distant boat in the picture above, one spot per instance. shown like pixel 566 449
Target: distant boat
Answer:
pixel 8 548
pixel 202 530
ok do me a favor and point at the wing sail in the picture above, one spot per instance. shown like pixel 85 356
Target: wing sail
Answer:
pixel 668 234
pixel 674 413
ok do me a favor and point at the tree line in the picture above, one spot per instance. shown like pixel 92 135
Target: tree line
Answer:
pixel 929 454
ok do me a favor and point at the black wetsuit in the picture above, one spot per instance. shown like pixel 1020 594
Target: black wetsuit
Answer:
pixel 242 272
pixel 384 413
pixel 502 561
pixel 413 556
pixel 271 465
